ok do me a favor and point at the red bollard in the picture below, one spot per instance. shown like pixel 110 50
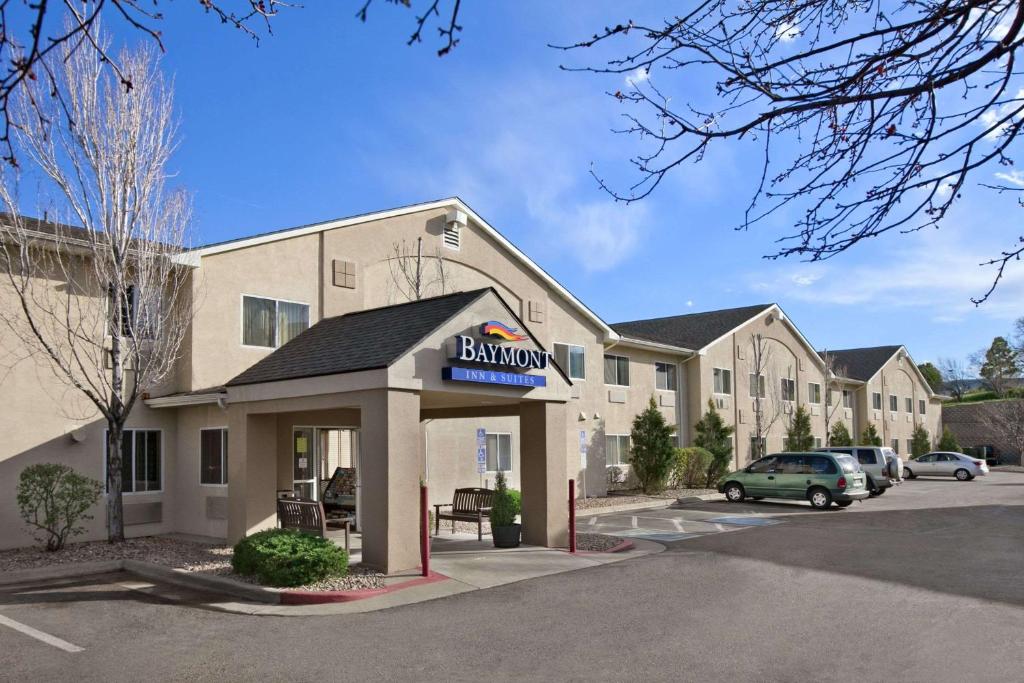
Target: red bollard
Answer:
pixel 424 531
pixel 572 515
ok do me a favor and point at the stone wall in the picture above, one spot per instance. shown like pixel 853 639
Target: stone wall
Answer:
pixel 969 422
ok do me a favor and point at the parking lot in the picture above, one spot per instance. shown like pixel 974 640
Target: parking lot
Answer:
pixel 921 584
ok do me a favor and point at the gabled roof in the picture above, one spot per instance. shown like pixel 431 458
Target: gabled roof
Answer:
pixel 364 340
pixel 451 202
pixel 691 331
pixel 862 364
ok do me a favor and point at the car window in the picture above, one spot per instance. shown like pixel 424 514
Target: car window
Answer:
pixel 846 451
pixel 927 457
pixel 848 464
pixel 821 465
pixel 946 457
pixel 866 456
pixel 795 464
pixel 764 464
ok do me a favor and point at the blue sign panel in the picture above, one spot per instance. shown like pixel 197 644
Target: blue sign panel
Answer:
pixel 455 374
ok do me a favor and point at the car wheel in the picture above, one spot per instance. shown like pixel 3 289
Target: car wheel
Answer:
pixel 878 492
pixel 734 493
pixel 962 474
pixel 844 503
pixel 907 474
pixel 872 489
pixel 820 498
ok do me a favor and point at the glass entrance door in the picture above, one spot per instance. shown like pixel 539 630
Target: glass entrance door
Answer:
pixel 304 465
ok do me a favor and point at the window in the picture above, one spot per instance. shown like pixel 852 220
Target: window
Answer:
pixel 894 403
pixel 819 464
pixel 665 376
pixel 616 449
pixel 723 381
pixel 847 398
pixel 141 464
pixel 213 456
pixel 616 370
pixel 876 400
pixel 499 452
pixel 754 451
pixel 920 406
pixel 572 359
pixel 785 443
pixel 866 456
pixel 814 393
pixel 910 405
pixel 769 464
pixel 817 442
pixel 788 389
pixel 272 323
pixel 757 386
pixel 910 445
pixel 896 446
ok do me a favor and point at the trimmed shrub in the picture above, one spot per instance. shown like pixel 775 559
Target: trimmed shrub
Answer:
pixel 690 469
pixel 920 442
pixel 506 504
pixel 948 442
pixel 653 452
pixel 798 432
pixel 284 557
pixel 870 437
pixel 840 435
pixel 715 436
pixel 53 499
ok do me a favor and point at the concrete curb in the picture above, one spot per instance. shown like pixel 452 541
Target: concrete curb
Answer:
pixel 290 597
pixel 60 571
pixel 218 584
pixel 652 505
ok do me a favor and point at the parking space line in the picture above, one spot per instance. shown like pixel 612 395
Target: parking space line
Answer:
pixel 39 635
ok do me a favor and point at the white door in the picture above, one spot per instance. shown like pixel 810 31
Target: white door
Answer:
pixel 304 465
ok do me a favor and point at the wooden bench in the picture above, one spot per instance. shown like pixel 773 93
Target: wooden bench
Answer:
pixel 468 505
pixel 307 516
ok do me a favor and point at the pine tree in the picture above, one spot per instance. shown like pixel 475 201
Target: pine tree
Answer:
pixel 1000 365
pixel 653 452
pixel 920 441
pixel 840 435
pixel 712 434
pixel 870 436
pixel 948 442
pixel 798 433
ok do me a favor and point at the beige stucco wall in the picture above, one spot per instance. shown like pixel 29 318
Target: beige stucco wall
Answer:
pixel 898 377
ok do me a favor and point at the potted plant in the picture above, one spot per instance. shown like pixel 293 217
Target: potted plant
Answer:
pixel 504 510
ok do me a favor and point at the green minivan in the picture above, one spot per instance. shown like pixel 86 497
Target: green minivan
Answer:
pixel 821 478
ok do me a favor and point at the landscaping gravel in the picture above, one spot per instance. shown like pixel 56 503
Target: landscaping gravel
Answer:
pixel 630 497
pixel 191 556
pixel 596 542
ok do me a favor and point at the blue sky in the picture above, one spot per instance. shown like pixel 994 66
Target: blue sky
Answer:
pixel 329 117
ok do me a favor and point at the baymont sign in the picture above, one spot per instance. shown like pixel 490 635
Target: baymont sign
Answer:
pixel 512 359
pixel 468 349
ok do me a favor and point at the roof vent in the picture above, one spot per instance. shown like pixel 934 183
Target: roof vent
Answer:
pixel 454 221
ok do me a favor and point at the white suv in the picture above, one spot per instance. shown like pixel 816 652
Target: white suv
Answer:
pixel 883 467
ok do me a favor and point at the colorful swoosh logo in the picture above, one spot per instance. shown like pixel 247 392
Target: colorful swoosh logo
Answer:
pixel 493 328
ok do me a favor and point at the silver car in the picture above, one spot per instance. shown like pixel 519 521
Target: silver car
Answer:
pixel 945 464
pixel 881 464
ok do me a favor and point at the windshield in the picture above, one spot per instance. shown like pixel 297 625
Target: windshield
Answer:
pixel 848 464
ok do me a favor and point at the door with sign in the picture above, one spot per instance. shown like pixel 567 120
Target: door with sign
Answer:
pixel 304 466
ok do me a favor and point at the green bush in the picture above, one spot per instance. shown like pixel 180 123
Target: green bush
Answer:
pixel 653 452
pixel 53 499
pixel 715 436
pixel 690 469
pixel 920 442
pixel 948 442
pixel 505 504
pixel 283 557
pixel 798 432
pixel 870 436
pixel 840 435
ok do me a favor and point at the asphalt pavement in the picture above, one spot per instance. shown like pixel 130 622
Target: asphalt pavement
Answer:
pixel 921 584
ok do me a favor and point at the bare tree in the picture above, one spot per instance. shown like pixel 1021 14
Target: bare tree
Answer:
pixel 765 390
pixel 873 115
pixel 1005 421
pixel 832 372
pixel 448 26
pixel 104 305
pixel 957 375
pixel 416 276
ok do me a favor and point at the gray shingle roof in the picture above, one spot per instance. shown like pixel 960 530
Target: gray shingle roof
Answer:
pixel 863 363
pixel 364 340
pixel 693 331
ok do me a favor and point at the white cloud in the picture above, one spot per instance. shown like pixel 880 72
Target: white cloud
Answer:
pixel 806 279
pixel 689 303
pixel 638 76
pixel 1013 177
pixel 787 31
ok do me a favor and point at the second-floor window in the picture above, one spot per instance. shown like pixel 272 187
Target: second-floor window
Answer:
pixel 847 398
pixel 814 392
pixel 271 322
pixel 876 400
pixel 910 405
pixel 616 370
pixel 665 376
pixel 920 406
pixel 757 386
pixel 894 403
pixel 572 359
pixel 723 381
pixel 788 389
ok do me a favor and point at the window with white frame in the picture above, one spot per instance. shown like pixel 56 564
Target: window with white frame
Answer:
pixel 572 359
pixel 920 406
pixel 896 446
pixel 499 452
pixel 272 322
pixel 616 370
pixel 213 456
pixel 910 446
pixel 876 400
pixel 141 461
pixel 894 403
pixel 847 398
pixel 817 442
pixel 665 376
pixel 785 443
pixel 616 449
pixel 910 405
pixel 753 447
pixel 757 389
pixel 814 392
pixel 723 381
pixel 788 389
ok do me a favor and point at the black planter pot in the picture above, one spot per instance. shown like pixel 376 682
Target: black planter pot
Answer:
pixel 506 536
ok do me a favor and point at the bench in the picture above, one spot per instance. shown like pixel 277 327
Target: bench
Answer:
pixel 468 505
pixel 307 516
